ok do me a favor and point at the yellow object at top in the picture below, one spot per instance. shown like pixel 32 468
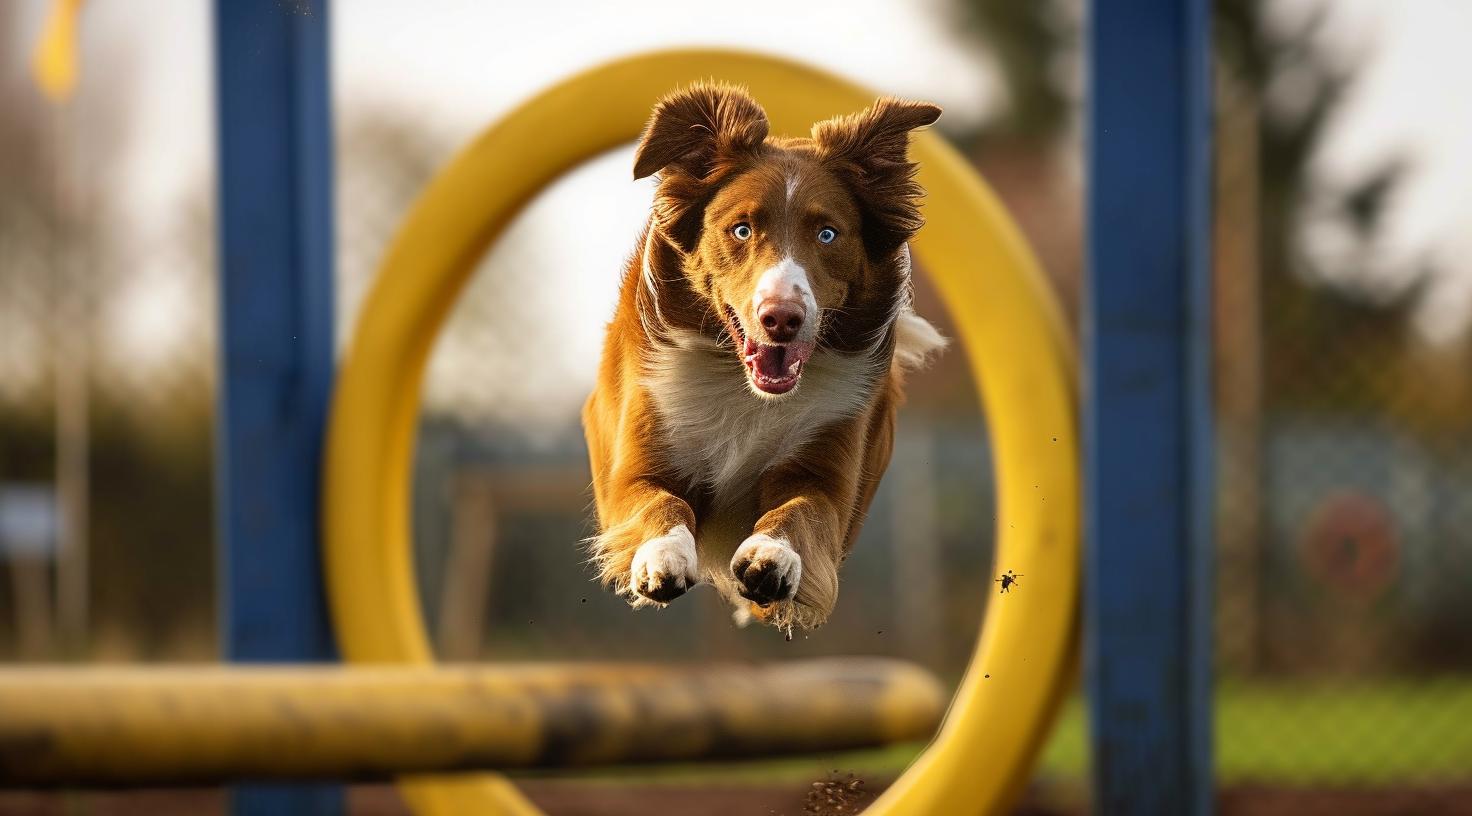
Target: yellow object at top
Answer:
pixel 54 63
pixel 1008 325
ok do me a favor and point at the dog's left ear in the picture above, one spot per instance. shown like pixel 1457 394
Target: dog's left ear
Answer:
pixel 869 150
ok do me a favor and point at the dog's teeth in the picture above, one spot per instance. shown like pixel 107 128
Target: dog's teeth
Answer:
pixel 792 369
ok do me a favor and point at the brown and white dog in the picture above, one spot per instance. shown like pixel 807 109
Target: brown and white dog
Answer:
pixel 745 404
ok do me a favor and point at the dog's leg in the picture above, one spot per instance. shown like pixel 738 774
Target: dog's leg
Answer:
pixel 788 567
pixel 648 551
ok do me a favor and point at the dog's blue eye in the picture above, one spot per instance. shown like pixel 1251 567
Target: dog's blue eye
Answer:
pixel 741 231
pixel 827 235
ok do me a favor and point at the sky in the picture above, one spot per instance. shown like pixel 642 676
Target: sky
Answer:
pixel 573 239
pixel 454 65
pixel 1412 100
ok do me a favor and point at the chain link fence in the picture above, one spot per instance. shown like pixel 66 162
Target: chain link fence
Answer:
pixel 107 344
pixel 1344 629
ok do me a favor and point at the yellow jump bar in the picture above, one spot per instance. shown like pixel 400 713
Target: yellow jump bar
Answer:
pixel 174 726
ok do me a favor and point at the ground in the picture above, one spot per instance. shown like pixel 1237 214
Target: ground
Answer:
pixel 569 798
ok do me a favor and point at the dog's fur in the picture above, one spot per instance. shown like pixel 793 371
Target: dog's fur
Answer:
pixel 711 460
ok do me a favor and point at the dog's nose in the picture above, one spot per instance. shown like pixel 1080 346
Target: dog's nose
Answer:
pixel 782 319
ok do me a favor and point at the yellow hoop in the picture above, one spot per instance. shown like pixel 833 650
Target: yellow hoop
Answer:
pixel 1007 321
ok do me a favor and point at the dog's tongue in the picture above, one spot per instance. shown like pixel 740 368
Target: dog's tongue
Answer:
pixel 769 361
pixel 776 362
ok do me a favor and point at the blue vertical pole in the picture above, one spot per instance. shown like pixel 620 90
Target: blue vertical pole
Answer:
pixel 1147 334
pixel 276 310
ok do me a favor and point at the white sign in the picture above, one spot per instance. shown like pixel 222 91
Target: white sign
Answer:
pixel 29 526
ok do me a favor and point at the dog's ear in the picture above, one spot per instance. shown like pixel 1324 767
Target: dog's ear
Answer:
pixel 695 137
pixel 869 151
pixel 699 129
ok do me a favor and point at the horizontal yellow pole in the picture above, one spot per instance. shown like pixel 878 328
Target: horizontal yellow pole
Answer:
pixel 167 726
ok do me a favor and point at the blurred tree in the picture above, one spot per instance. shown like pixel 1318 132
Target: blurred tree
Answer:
pixel 1335 331
pixel 1032 44
pixel 1310 319
pixel 67 241
pixel 1310 304
pixel 1027 150
pixel 1337 348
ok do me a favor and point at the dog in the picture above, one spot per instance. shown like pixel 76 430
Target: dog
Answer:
pixel 745 403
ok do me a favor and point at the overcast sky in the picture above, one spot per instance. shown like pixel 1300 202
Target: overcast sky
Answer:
pixel 1413 99
pixel 455 64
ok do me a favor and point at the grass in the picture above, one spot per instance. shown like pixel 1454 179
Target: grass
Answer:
pixel 1368 734
pixel 883 762
pixel 1375 733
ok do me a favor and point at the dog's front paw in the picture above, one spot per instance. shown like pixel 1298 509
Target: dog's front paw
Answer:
pixel 767 569
pixel 665 567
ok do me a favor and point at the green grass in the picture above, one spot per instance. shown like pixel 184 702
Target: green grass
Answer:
pixel 871 763
pixel 1379 733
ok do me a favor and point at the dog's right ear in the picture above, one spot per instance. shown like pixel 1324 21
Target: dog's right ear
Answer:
pixel 700 130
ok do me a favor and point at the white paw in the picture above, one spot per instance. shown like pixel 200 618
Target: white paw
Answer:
pixel 665 567
pixel 767 569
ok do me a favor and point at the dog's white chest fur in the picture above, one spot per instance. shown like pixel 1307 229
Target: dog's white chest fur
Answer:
pixel 722 436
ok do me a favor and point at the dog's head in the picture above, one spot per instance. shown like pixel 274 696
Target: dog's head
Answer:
pixel 785 245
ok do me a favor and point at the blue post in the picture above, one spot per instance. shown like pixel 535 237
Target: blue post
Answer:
pixel 1147 334
pixel 276 308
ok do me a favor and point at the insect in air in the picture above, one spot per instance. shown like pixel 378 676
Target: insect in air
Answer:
pixel 1008 580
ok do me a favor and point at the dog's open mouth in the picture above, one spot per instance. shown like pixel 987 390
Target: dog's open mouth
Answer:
pixel 772 368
